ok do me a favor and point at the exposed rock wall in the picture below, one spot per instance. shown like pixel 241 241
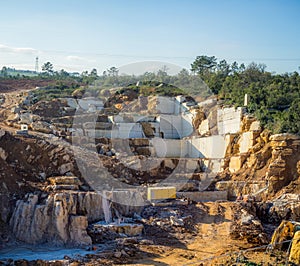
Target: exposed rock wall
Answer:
pixel 60 218
pixel 25 163
pixel 283 167
pixel 258 157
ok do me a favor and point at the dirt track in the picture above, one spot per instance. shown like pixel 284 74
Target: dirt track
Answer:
pixel 210 239
pixel 9 85
pixel 210 244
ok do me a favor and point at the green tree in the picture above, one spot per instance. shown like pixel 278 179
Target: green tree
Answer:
pixel 204 64
pixel 162 74
pixel 63 74
pixel 223 68
pixel 94 73
pixel 47 68
pixel 183 76
pixel 113 72
pixel 4 72
pixel 235 67
pixel 148 76
pixel 291 120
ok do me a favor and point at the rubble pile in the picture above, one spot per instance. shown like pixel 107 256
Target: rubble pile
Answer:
pixel 285 207
pixel 247 226
pixel 175 223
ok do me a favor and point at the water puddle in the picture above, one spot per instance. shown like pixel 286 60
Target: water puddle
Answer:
pixel 46 253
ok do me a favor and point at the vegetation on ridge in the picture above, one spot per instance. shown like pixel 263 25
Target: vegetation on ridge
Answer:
pixel 274 98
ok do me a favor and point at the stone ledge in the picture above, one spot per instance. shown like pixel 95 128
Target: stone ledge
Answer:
pixel 204 195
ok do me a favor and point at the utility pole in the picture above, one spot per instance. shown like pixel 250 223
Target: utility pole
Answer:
pixel 36 65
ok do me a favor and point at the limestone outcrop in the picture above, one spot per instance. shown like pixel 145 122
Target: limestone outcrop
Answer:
pixel 60 218
pixel 272 161
pixel 285 155
pixel 25 163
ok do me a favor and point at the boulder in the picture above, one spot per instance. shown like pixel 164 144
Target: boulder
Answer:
pixel 246 219
pixel 247 141
pixel 139 142
pixel 286 207
pixel 3 154
pixel 64 168
pixel 236 163
pixel 295 249
pixel 199 117
pixel 204 128
pixel 129 229
pixel 143 151
pixel 2 133
pixel 169 164
pixel 247 227
pixel 255 126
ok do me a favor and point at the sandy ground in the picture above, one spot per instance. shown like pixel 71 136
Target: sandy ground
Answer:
pixel 210 246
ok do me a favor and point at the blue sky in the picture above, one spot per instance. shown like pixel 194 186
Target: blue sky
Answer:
pixel 80 35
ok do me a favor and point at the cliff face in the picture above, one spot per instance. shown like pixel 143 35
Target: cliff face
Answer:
pixel 283 168
pixel 258 162
pixel 25 163
pixel 60 218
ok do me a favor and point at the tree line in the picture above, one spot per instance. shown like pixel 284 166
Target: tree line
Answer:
pixel 274 98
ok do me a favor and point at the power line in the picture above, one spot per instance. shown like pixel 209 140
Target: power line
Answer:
pixel 36 64
pixel 166 57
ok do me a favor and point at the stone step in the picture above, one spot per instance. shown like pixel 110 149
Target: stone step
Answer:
pixel 65 180
pixel 189 186
pixel 195 176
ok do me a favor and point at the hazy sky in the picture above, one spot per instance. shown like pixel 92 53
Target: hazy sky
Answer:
pixel 80 35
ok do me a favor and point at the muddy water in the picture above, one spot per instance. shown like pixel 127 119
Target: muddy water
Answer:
pixel 43 253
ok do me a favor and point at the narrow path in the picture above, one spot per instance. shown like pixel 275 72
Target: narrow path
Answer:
pixel 212 239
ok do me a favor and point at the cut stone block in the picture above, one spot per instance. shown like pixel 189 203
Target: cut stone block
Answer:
pixel 160 193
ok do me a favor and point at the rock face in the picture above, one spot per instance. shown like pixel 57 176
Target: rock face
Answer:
pixel 285 155
pixel 58 219
pixel 273 162
pixel 62 218
pixel 234 188
pixel 25 163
